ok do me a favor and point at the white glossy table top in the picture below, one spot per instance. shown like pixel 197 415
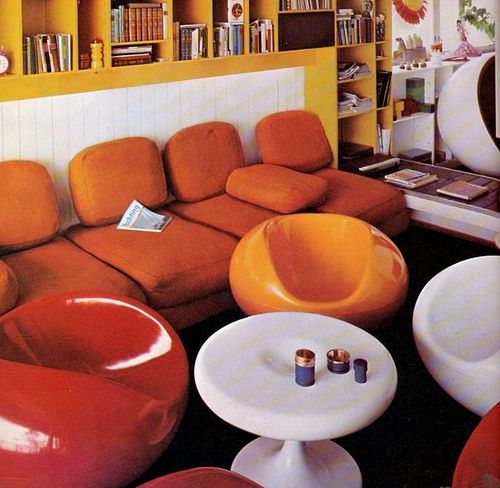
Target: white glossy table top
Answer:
pixel 245 373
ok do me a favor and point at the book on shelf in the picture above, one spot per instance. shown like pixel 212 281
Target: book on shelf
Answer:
pixel 139 22
pixel 353 28
pixel 193 41
pixel 410 178
pixel 383 87
pixel 261 36
pixel 463 190
pixel 228 39
pixel 46 53
pixel 140 218
pixel 305 4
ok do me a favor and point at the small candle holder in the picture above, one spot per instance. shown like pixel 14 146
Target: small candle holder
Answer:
pixel 305 361
pixel 338 361
pixel 360 369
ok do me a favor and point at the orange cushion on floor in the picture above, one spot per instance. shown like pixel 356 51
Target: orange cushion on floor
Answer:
pixel 8 288
pixel 223 212
pixel 198 159
pixel 106 177
pixel 276 188
pixel 32 216
pixel 293 138
pixel 184 262
pixel 59 267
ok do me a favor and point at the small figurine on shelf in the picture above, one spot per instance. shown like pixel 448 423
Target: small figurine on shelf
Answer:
pixel 380 27
pixel 366 8
pixel 465 48
pixel 96 54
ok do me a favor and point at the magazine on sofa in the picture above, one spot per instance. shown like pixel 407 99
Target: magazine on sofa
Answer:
pixel 139 217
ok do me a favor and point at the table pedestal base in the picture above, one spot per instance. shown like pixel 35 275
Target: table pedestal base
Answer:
pixel 295 464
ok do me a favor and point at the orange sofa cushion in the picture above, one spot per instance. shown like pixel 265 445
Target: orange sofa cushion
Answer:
pixel 106 177
pixel 359 196
pixel 9 288
pixel 293 138
pixel 60 267
pixel 277 188
pixel 29 215
pixel 223 212
pixel 184 262
pixel 198 159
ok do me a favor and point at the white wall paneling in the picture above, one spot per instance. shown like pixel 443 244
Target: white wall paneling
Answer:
pixel 52 130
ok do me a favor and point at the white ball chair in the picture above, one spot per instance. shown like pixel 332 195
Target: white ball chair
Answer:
pixel 466 113
pixel 456 326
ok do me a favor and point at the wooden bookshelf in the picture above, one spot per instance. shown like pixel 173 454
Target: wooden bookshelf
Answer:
pixel 301 38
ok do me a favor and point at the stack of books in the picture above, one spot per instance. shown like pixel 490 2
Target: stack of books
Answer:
pixel 46 53
pixel 350 102
pixel 410 178
pixel 261 36
pixel 463 190
pixel 129 55
pixel 347 70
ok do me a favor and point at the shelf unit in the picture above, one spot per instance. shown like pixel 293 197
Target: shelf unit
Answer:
pixel 301 38
pixel 420 129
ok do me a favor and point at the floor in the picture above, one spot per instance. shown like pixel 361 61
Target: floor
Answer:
pixel 416 442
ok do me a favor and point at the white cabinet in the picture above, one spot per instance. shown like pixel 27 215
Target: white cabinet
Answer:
pixel 420 130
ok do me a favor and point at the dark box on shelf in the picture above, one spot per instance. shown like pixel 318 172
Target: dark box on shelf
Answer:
pixel 415 89
pixel 417 154
pixel 350 151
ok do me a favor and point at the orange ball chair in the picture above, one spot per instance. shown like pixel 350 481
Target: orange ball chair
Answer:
pixel 92 390
pixel 329 264
pixel 202 478
pixel 480 457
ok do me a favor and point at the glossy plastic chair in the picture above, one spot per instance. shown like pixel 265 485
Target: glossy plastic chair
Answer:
pixel 457 333
pixel 92 389
pixel 202 478
pixel 322 263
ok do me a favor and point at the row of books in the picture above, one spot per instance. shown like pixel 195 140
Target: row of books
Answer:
pixel 46 53
pixel 348 70
pixel 139 22
pixel 130 55
pixel 305 4
pixel 352 103
pixel 228 39
pixel 353 29
pixel 261 36
pixel 383 87
pixel 190 41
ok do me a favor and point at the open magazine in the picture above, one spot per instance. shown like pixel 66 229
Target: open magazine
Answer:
pixel 139 217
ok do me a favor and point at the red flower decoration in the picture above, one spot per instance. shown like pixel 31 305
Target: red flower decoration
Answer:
pixel 412 11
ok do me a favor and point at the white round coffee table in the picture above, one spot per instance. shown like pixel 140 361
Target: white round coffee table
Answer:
pixel 245 373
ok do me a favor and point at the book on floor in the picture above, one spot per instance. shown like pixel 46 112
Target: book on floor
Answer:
pixel 463 190
pixel 410 178
pixel 138 217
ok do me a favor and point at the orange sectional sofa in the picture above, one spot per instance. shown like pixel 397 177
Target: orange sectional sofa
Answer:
pixel 200 179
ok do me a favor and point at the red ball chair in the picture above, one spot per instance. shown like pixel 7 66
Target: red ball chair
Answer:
pixel 202 478
pixel 92 389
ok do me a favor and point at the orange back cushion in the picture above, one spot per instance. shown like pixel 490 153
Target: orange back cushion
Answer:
pixel 106 177
pixel 29 214
pixel 295 139
pixel 199 159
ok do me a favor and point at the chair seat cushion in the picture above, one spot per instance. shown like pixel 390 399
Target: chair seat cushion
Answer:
pixel 59 266
pixel 362 197
pixel 9 288
pixel 276 188
pixel 184 262
pixel 223 212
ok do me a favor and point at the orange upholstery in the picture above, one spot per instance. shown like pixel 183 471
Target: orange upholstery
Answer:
pixel 42 262
pixel 322 263
pixel 92 390
pixel 28 194
pixel 9 288
pixel 184 263
pixel 480 457
pixel 293 138
pixel 198 159
pixel 296 139
pixel 133 170
pixel 202 478
pixel 277 188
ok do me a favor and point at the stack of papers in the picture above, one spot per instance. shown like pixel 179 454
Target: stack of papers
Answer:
pixel 410 178
pixel 350 102
pixel 349 70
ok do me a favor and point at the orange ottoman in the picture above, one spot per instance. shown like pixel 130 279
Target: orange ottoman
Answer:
pixel 321 263
pixel 202 478
pixel 92 389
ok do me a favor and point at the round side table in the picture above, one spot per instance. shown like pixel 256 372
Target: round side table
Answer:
pixel 245 373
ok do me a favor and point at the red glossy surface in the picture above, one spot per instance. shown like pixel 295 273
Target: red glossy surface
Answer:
pixel 92 389
pixel 202 478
